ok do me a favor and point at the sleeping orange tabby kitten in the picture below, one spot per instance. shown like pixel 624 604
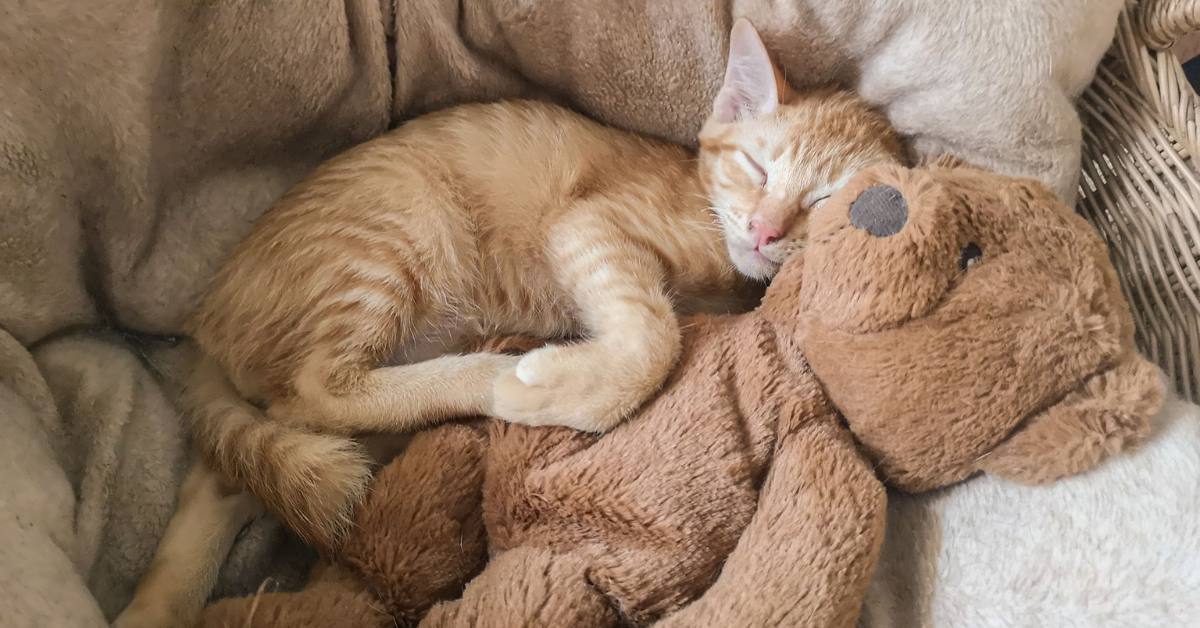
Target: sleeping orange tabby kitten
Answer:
pixel 517 217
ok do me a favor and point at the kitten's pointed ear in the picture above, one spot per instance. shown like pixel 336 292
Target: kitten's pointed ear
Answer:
pixel 752 84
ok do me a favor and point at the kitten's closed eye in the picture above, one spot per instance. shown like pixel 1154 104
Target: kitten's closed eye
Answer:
pixel 818 202
pixel 752 168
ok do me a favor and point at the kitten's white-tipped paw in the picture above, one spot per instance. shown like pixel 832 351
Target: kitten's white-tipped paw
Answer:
pixel 571 386
pixel 528 370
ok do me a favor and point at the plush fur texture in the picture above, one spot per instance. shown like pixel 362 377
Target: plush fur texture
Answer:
pixel 740 495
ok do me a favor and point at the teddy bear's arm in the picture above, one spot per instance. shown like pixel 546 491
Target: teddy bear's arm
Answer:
pixel 808 554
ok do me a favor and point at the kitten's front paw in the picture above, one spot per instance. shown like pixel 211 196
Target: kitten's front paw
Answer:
pixel 574 386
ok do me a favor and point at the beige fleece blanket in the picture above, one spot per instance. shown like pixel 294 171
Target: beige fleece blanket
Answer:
pixel 140 138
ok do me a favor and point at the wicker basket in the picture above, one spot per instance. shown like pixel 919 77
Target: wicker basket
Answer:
pixel 1140 183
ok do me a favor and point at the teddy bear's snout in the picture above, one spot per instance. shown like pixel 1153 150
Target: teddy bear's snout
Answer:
pixel 880 210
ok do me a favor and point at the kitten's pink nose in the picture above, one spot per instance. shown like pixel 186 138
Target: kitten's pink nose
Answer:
pixel 764 232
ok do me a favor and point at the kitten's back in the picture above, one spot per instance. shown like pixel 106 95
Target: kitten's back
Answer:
pixel 443 217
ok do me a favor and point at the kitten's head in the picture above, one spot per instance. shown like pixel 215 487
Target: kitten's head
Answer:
pixel 769 156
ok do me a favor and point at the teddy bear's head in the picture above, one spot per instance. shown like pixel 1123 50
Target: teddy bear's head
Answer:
pixel 965 321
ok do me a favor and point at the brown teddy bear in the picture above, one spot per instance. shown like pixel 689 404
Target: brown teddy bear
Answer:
pixel 942 321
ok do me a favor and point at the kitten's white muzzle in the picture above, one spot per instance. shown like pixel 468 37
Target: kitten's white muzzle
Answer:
pixel 752 262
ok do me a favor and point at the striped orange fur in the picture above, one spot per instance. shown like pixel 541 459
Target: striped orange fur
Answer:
pixel 517 217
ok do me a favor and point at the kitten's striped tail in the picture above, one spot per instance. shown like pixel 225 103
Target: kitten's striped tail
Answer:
pixel 310 481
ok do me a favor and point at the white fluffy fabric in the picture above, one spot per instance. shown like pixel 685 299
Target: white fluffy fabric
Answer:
pixel 1117 546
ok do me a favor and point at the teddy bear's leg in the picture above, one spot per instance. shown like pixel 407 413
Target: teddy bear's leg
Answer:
pixel 418 538
pixel 528 587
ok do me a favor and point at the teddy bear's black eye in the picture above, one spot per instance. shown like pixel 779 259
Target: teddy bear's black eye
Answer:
pixel 971 253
